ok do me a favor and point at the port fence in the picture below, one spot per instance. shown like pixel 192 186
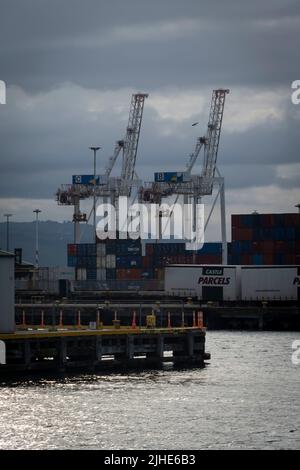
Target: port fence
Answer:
pixel 57 315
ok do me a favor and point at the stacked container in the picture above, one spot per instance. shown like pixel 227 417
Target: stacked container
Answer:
pixel 265 239
pixel 122 259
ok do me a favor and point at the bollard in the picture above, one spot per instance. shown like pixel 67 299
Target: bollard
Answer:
pixel 194 319
pixel 169 320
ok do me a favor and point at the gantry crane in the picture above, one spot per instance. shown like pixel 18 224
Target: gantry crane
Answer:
pixel 197 186
pixel 104 185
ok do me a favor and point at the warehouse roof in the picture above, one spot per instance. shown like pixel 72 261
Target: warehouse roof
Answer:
pixel 6 254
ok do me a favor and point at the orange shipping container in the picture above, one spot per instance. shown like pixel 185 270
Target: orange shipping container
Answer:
pixel 128 274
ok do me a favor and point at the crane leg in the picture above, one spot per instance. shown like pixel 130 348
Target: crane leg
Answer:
pixel 223 222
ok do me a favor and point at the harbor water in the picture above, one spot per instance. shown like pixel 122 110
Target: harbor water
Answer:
pixel 246 398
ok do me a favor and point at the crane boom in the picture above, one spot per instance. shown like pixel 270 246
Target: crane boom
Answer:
pixel 193 156
pixel 132 138
pixel 213 134
pixel 112 160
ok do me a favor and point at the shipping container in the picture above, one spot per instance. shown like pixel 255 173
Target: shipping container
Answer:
pixel 72 249
pixel 55 273
pixel 270 283
pixel 101 249
pixel 111 273
pixel 132 273
pixel 101 261
pixel 208 283
pixel 129 261
pixel 81 274
pixel 147 261
pixel 110 261
pixel 72 261
pixel 91 274
pixel 101 274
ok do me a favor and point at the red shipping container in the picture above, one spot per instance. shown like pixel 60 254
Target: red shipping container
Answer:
pixel 268 258
pixel 281 246
pixel 290 259
pixel 128 274
pixel 233 234
pixel 258 247
pixel 149 249
pixel 243 234
pixel 267 220
pixel 268 246
pixel 72 249
pixel 147 261
pixel 246 259
pixel 208 259
pixel 236 221
pixel 292 220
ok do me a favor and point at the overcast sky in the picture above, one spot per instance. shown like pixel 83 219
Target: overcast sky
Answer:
pixel 70 67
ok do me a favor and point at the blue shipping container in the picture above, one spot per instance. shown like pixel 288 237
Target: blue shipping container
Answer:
pixel 257 258
pixel 129 261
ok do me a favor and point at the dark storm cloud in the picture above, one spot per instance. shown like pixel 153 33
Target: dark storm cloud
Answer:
pixel 101 44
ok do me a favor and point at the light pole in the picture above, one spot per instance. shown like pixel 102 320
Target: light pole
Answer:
pixel 94 149
pixel 37 211
pixel 7 230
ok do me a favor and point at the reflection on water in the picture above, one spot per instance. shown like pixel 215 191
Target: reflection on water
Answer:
pixel 248 397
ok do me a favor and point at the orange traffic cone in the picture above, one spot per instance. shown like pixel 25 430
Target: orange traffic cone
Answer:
pixel 133 324
pixel 200 319
pixel 42 320
pixel 194 319
pixel 169 320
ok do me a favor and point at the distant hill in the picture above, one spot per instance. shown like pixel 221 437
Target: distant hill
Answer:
pixel 53 240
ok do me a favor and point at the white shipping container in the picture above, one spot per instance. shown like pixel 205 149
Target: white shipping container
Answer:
pixel 207 282
pixel 101 262
pixel 270 282
pixel 81 274
pixel 56 273
pixel 101 274
pixel 110 261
